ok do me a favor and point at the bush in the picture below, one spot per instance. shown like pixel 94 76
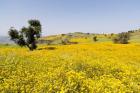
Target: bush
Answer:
pixel 122 38
pixel 65 41
pixel 95 38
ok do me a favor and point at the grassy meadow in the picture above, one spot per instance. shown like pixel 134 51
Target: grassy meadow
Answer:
pixel 78 68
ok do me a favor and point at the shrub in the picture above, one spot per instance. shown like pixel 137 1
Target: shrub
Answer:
pixel 122 38
pixel 65 41
pixel 95 38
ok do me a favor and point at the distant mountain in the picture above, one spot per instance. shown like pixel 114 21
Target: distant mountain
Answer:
pixel 5 40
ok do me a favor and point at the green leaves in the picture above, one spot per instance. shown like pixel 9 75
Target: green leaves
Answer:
pixel 13 33
pixel 122 38
pixel 27 35
pixel 35 24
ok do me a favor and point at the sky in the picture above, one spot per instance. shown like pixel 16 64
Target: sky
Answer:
pixel 65 16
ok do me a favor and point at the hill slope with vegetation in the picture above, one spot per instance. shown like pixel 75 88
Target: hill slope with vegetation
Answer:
pixel 79 37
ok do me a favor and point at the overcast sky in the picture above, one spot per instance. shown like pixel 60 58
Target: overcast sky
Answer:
pixel 64 16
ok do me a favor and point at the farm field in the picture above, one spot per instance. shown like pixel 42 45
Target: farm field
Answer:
pixel 78 68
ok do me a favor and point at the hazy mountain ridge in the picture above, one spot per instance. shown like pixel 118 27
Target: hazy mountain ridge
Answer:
pixel 5 40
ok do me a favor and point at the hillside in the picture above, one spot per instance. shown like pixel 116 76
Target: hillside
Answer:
pixel 135 37
pixel 79 37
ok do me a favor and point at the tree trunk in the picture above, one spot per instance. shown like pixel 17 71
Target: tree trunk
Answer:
pixel 30 48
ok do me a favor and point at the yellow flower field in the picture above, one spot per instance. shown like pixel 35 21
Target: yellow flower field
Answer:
pixel 80 68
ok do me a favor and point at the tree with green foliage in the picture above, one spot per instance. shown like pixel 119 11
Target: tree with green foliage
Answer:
pixel 122 38
pixel 95 38
pixel 27 36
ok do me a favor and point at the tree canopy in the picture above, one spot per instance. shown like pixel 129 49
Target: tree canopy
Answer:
pixel 27 36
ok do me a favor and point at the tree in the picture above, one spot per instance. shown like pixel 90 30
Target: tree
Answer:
pixel 95 38
pixel 27 36
pixel 122 38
